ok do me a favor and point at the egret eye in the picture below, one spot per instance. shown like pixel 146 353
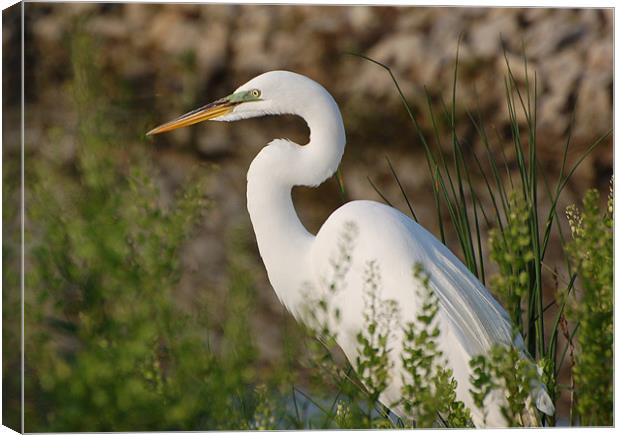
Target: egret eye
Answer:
pixel 255 93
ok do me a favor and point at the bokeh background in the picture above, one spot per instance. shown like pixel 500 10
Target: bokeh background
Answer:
pixel 159 61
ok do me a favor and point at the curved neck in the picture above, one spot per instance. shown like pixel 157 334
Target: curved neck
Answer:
pixel 284 243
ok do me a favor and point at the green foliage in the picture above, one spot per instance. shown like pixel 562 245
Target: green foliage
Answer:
pixel 109 348
pixel 508 373
pixel 264 418
pixel 429 390
pixel 591 251
pixel 511 249
pixel 11 286
pixel 344 417
pixel 373 364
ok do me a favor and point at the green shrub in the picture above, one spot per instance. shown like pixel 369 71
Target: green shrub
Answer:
pixel 591 252
pixel 505 371
pixel 108 347
pixel 511 250
pixel 11 287
pixel 373 365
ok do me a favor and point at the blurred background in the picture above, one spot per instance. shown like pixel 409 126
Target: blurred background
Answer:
pixel 150 63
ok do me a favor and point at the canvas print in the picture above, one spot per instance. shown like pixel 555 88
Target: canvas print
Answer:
pixel 267 217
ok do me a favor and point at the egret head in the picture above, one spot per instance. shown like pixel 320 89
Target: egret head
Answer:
pixel 271 93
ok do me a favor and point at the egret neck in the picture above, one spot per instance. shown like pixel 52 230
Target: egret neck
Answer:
pixel 283 241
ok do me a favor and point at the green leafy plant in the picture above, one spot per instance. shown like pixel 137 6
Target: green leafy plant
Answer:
pixel 505 372
pixel 373 364
pixel 11 287
pixel 264 418
pixel 511 250
pixel 429 390
pixel 591 252
pixel 109 347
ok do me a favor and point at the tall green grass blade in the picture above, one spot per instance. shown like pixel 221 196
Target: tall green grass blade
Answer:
pixel 438 207
pixel 402 190
pixel 487 183
pixel 376 189
pixel 438 145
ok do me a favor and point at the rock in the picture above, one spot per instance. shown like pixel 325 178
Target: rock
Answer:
pixel 593 111
pixel 485 38
pixel 599 60
pixel 110 28
pixel 562 72
pixel 549 35
pixel 361 18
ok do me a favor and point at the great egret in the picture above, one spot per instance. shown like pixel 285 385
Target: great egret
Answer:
pixel 471 320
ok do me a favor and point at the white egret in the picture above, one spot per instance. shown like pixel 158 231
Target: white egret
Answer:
pixel 470 319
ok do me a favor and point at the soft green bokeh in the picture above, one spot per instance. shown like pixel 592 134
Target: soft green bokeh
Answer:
pixel 108 348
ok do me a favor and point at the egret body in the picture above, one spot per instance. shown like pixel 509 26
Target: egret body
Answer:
pixel 297 261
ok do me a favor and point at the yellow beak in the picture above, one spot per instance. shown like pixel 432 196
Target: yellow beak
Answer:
pixel 220 107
